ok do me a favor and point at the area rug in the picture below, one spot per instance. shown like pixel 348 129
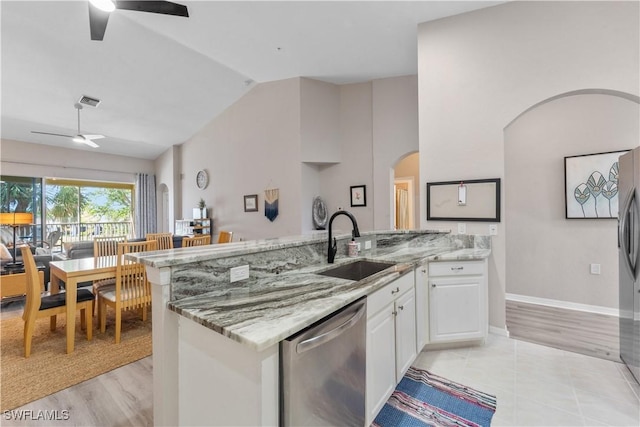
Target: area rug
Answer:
pixel 425 399
pixel 50 369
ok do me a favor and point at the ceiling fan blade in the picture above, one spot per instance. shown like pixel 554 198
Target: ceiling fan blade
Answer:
pixel 88 142
pixel 164 7
pixel 92 136
pixel 98 20
pixel 49 133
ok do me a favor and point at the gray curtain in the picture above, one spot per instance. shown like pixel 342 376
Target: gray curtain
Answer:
pixel 145 210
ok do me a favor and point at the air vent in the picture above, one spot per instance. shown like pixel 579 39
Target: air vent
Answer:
pixel 87 100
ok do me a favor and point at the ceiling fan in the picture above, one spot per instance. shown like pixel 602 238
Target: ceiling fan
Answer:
pixel 79 137
pixel 99 11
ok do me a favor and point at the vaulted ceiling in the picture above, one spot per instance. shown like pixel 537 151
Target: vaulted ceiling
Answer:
pixel 162 78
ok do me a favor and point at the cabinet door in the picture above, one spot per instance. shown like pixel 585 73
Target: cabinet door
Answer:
pixel 381 367
pixel 455 308
pixel 422 308
pixel 405 333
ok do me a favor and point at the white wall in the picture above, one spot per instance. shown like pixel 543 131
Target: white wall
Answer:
pixel 319 121
pixel 251 146
pixel 356 167
pixel 478 71
pixel 37 160
pixel 557 267
pixel 395 134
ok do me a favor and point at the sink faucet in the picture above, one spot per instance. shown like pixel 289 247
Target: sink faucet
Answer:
pixel 332 249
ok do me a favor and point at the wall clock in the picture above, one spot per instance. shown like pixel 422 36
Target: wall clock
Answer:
pixel 202 179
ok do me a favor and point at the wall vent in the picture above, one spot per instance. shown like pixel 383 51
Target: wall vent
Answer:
pixel 87 100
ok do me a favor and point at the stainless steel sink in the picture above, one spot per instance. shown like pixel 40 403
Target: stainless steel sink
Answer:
pixel 357 270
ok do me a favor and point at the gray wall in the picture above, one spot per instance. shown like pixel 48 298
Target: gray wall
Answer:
pixel 479 71
pixel 554 253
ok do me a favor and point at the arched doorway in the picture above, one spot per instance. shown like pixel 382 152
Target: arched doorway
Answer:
pixel 404 195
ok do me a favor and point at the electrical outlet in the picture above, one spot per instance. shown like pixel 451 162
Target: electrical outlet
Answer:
pixel 594 268
pixel 358 246
pixel 493 229
pixel 462 228
pixel 367 244
pixel 239 273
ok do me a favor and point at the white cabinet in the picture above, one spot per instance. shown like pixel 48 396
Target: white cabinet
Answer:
pixel 422 307
pixel 457 301
pixel 391 340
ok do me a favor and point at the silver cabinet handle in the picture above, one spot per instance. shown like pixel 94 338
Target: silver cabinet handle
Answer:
pixel 395 291
pixel 433 285
pixel 457 268
pixel 424 270
pixel 401 307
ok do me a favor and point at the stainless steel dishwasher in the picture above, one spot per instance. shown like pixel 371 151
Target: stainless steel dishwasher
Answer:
pixel 323 371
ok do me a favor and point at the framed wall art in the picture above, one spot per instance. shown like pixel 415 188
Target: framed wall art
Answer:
pixel 358 195
pixel 464 200
pixel 591 185
pixel 251 203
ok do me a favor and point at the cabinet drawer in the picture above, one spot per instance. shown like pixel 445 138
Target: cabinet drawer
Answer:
pixel 453 268
pixel 385 296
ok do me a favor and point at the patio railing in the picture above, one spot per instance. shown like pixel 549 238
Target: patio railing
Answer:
pixel 74 232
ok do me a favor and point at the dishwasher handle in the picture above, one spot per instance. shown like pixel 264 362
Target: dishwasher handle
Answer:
pixel 318 340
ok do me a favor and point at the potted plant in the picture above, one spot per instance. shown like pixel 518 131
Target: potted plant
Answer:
pixel 203 208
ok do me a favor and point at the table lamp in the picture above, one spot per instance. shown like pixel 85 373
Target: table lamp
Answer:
pixel 15 220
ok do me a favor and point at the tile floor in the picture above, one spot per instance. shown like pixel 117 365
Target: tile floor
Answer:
pixel 541 386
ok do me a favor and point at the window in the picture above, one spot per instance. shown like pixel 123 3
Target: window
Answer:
pixel 22 194
pixel 84 209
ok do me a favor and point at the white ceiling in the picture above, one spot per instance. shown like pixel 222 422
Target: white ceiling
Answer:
pixel 162 78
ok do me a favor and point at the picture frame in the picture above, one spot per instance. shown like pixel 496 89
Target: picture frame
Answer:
pixel 464 200
pixel 591 185
pixel 358 195
pixel 251 203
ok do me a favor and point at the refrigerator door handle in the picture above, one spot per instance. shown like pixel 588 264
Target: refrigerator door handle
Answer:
pixel 625 234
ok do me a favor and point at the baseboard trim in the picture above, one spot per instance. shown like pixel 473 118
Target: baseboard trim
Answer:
pixel 504 332
pixel 564 304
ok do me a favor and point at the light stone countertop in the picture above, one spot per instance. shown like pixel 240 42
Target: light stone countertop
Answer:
pixel 262 312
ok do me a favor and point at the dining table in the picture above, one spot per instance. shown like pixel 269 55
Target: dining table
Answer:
pixel 72 272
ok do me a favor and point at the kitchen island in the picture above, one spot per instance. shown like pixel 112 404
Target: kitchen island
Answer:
pixel 215 343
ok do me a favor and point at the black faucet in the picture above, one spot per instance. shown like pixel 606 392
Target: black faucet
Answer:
pixel 332 249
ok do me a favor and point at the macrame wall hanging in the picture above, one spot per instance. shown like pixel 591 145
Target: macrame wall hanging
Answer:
pixel 271 197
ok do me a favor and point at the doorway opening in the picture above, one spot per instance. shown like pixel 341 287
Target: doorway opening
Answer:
pixel 404 194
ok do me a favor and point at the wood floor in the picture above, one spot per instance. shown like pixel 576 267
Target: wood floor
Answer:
pixel 572 330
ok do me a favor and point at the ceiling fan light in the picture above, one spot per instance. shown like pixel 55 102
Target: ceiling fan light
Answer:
pixel 78 139
pixel 105 5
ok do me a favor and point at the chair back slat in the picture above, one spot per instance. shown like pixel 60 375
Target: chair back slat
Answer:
pixel 107 246
pixel 225 236
pixel 196 241
pixel 165 240
pixel 133 290
pixel 33 296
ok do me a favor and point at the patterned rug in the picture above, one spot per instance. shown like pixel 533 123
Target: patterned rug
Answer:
pixel 425 399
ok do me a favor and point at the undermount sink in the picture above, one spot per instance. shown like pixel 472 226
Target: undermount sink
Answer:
pixel 357 270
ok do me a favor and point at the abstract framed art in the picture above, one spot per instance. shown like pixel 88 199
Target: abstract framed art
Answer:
pixel 591 185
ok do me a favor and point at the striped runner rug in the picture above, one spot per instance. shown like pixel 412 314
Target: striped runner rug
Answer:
pixel 425 399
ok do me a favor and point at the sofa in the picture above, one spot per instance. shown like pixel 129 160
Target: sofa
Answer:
pixel 84 248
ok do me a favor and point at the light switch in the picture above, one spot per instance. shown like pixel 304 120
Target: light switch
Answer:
pixel 462 228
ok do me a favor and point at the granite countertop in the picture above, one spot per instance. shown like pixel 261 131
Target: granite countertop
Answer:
pixel 262 312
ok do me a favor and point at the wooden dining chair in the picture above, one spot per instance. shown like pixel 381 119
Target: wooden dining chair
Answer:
pixel 104 246
pixel 165 240
pixel 225 236
pixel 37 306
pixel 196 241
pixel 131 291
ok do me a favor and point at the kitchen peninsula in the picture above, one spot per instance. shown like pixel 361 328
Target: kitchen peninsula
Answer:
pixel 216 343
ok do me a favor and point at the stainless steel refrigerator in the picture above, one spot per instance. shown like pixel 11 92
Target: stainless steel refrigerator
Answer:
pixel 629 259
